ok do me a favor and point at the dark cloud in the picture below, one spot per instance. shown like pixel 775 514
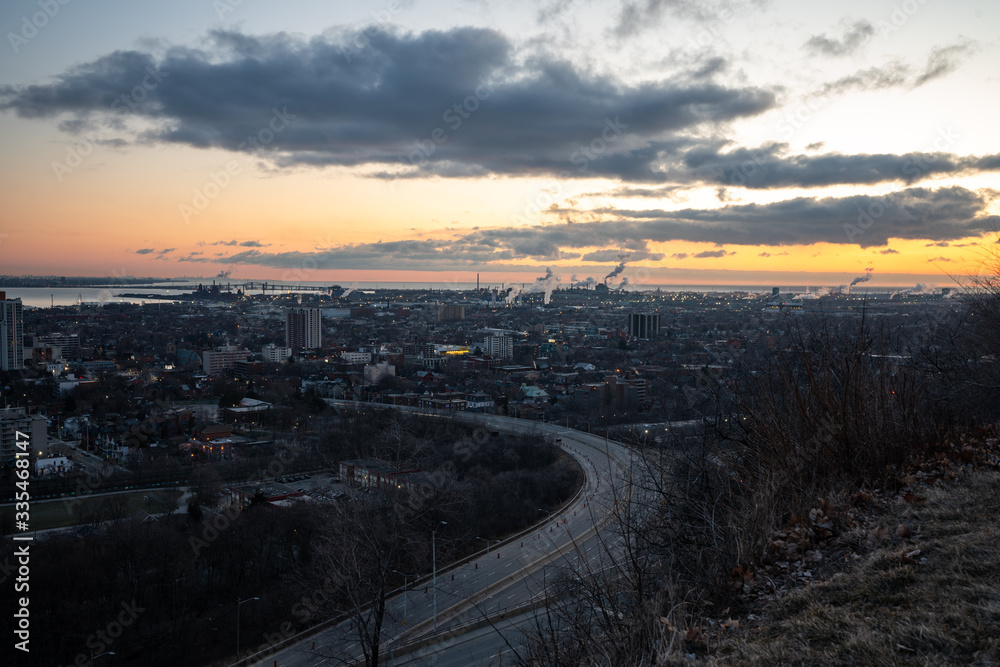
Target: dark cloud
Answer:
pixel 938 244
pixel 393 105
pixel 636 16
pixel 712 254
pixel 305 102
pixel 722 194
pixel 160 254
pixel 768 167
pixel 615 255
pixel 944 60
pixel 914 213
pixel 710 67
pixel 254 244
pixel 680 255
pixel 852 39
pixel 889 251
pixel 891 75
pixel 671 192
pixel 941 61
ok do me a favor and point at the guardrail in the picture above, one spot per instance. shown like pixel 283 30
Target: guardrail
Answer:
pixel 468 602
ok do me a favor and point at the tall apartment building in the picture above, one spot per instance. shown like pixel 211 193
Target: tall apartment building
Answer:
pixel 643 325
pixel 11 333
pixel 303 329
pixel 500 347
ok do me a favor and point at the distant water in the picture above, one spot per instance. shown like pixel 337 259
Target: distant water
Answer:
pixel 43 297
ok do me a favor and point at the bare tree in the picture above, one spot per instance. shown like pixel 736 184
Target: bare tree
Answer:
pixel 618 604
pixel 365 540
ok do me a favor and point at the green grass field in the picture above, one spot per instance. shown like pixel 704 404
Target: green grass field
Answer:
pixel 69 511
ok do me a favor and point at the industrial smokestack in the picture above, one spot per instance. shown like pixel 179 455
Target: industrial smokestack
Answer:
pixel 618 269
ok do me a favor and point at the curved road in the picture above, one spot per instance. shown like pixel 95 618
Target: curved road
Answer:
pixel 483 592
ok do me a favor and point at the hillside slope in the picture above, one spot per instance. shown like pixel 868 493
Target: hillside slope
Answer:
pixel 915 580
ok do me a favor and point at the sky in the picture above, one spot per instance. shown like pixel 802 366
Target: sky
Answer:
pixel 693 142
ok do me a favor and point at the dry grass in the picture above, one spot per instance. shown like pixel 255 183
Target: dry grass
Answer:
pixel 894 607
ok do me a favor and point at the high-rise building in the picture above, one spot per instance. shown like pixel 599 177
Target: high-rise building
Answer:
pixel 643 325
pixel 500 347
pixel 303 330
pixel 11 334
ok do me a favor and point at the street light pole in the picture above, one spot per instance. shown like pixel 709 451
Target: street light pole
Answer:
pixel 239 603
pixel 404 593
pixel 434 571
pixel 487 559
pixel 100 655
pixel 548 549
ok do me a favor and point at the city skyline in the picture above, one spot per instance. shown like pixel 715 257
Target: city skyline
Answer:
pixel 719 143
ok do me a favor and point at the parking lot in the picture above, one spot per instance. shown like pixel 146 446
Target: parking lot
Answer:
pixel 322 486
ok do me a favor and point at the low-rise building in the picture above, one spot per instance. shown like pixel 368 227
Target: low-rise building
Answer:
pixel 53 466
pixel 17 420
pixel 250 410
pixel 273 354
pixel 354 358
pixel 372 474
pixel 223 357
pixel 479 402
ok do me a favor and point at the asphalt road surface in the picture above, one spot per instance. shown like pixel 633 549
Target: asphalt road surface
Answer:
pixel 483 605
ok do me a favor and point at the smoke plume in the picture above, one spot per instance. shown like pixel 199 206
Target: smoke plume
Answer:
pixel 350 289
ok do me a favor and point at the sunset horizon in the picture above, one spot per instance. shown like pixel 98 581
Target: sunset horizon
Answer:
pixel 417 143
